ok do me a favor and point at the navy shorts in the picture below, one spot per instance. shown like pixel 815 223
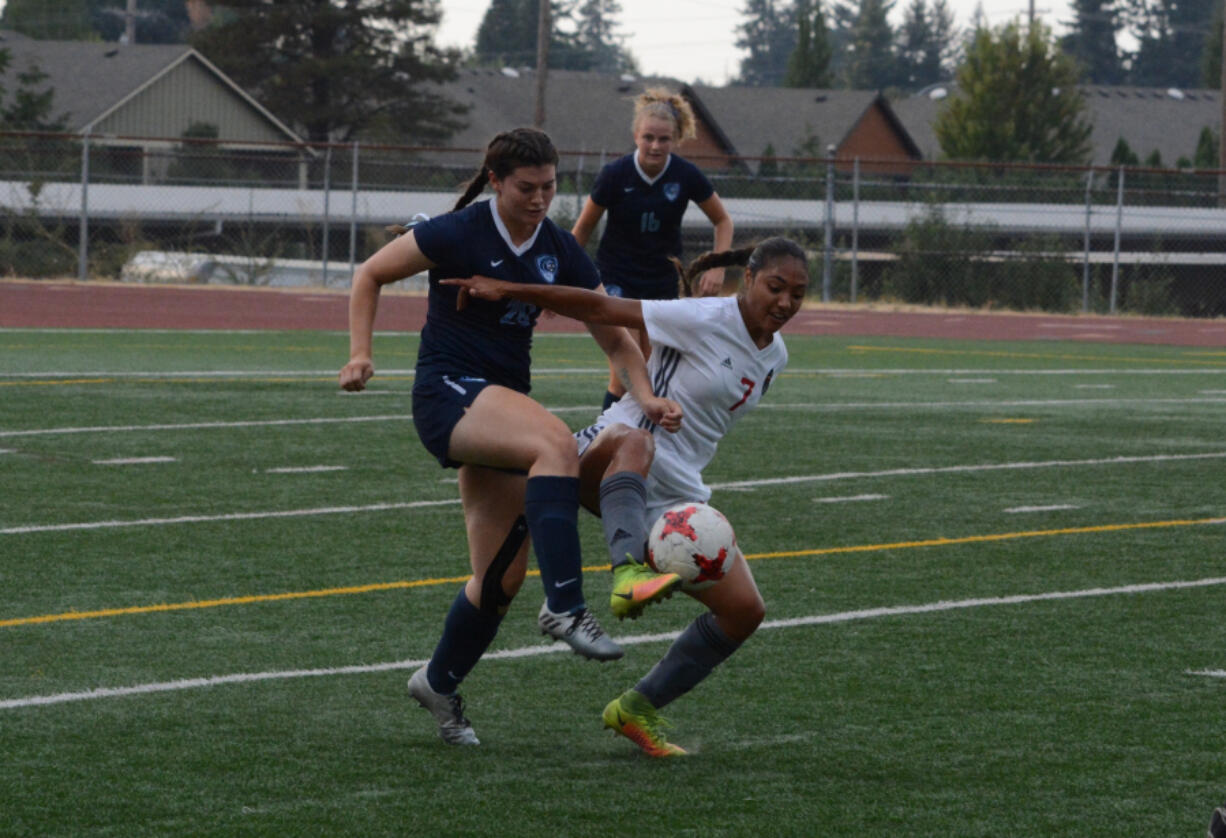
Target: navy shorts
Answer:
pixel 439 403
pixel 661 289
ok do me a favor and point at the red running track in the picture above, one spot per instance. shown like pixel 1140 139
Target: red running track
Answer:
pixel 99 305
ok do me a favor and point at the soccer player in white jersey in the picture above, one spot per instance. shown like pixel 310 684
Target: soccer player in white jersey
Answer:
pixel 716 357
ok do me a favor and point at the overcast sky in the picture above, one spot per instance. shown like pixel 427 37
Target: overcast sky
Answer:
pixel 693 39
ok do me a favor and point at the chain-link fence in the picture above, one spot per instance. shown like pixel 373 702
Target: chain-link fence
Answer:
pixel 1007 236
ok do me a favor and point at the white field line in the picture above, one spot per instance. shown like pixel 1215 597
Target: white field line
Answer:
pixel 133 461
pixel 1106 387
pixel 8 450
pixel 1213 392
pixel 329 373
pixel 233 516
pixel 195 426
pixel 836 372
pixel 851 499
pixel 251 423
pixel 972 381
pixel 1208 673
pixel 908 472
pixel 304 469
pixel 1055 507
pixel 633 640
pixel 734 486
pixel 822 407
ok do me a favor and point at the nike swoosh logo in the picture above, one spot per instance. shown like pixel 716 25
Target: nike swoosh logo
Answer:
pixel 623 596
pixel 564 584
pixel 628 189
pixel 495 263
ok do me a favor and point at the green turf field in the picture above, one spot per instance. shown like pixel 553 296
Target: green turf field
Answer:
pixel 994 577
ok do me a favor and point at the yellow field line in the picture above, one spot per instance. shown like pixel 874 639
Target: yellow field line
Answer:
pixel 452 580
pixel 1032 355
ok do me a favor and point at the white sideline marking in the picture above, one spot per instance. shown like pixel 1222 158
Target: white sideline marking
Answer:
pixel 1052 508
pixel 982 403
pixel 234 516
pixel 739 485
pixel 851 499
pixel 193 426
pixel 1107 387
pixel 1212 392
pixel 972 381
pixel 8 450
pixel 132 461
pixel 634 640
pixel 303 469
pixel 1209 673
pixel 252 423
pixel 906 472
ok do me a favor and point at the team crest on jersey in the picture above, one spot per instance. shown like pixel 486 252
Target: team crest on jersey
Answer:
pixel 548 266
pixel 672 191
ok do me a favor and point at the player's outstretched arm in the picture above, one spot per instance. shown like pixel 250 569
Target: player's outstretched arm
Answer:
pixel 577 303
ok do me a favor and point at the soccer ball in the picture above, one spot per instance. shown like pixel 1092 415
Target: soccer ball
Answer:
pixel 694 541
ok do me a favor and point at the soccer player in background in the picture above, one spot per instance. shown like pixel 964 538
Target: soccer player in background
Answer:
pixel 716 357
pixel 518 468
pixel 645 194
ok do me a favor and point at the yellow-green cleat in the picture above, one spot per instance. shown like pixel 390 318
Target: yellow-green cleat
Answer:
pixel 635 586
pixel 633 717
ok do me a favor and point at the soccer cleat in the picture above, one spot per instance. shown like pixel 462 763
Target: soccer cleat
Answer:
pixel 1217 823
pixel 581 632
pixel 635 586
pixel 633 717
pixel 453 727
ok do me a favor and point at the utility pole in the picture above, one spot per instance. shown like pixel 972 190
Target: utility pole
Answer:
pixel 129 23
pixel 544 27
pixel 1221 140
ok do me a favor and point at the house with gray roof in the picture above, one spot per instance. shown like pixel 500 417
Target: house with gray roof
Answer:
pixel 590 114
pixel 114 92
pixel 1168 121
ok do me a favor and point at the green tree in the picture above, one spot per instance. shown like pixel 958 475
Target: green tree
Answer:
pixel 1091 40
pixel 925 44
pixel 809 63
pixel 1123 155
pixel 1017 100
pixel 157 21
pixel 1171 37
pixel 871 63
pixel 769 35
pixel 49 20
pixel 1206 150
pixel 336 70
pixel 596 35
pixel 507 35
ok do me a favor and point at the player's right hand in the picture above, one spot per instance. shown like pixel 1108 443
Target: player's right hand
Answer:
pixel 354 375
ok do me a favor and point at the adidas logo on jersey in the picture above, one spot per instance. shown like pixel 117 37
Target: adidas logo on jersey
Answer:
pixel 727 362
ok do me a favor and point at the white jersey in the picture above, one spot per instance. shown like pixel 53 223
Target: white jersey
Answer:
pixel 703 358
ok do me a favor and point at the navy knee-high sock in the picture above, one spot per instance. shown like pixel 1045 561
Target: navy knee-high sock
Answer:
pixel 700 648
pixel 467 633
pixel 551 505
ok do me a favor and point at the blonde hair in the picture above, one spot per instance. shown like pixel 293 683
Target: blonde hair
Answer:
pixel 664 103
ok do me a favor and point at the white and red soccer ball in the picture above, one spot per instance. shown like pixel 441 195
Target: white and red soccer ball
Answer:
pixel 694 541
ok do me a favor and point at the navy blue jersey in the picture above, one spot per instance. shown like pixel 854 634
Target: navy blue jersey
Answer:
pixel 644 218
pixel 490 340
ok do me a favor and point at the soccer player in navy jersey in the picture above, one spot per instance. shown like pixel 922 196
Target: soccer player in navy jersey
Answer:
pixel 716 358
pixel 645 194
pixel 518 467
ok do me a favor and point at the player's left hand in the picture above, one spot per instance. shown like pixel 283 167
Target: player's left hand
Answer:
pixel 710 284
pixel 663 412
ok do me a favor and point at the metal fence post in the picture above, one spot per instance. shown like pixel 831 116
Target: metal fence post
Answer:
pixel 353 213
pixel 1119 222
pixel 855 227
pixel 827 259
pixel 326 231
pixel 1085 265
pixel 83 226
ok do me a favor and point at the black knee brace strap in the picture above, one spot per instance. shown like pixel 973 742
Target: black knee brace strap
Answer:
pixel 494 599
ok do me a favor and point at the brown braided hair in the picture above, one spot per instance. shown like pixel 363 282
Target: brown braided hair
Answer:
pixel 506 153
pixel 753 256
